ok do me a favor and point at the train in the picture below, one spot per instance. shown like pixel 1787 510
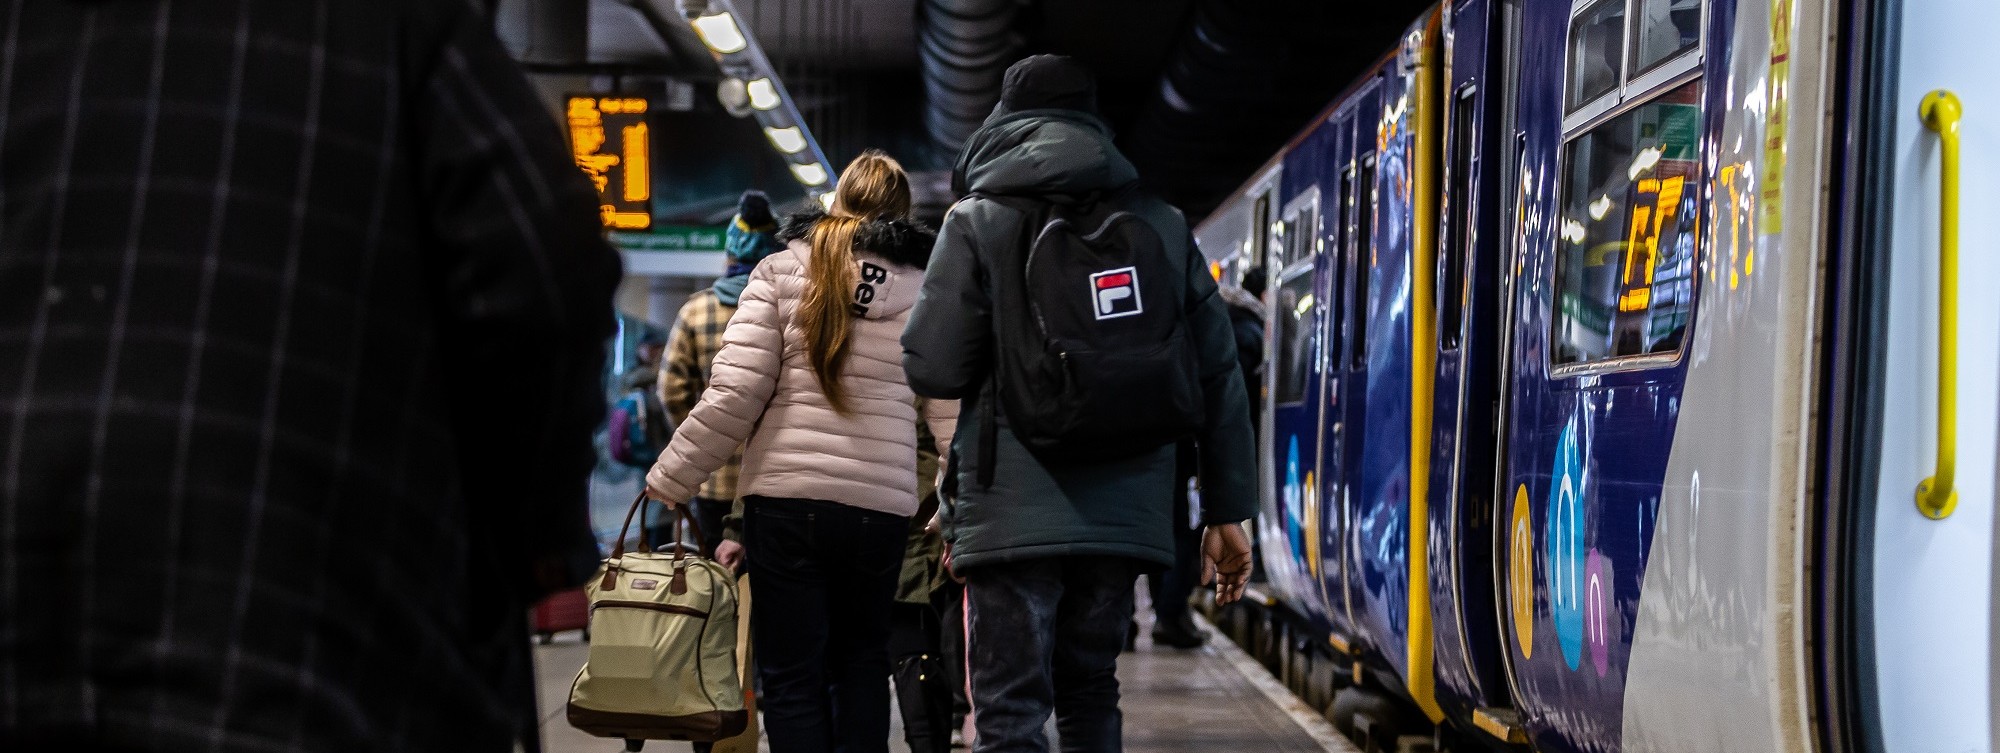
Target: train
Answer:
pixel 1628 387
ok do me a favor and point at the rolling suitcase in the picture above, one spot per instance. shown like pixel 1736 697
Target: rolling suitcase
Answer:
pixel 563 611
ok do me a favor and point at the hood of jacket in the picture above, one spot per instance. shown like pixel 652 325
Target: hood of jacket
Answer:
pixel 889 259
pixel 1051 154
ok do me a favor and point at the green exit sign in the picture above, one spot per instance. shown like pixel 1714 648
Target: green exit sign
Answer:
pixel 671 238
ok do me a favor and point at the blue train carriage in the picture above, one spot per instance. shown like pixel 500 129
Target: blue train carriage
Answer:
pixel 1660 338
pixel 1343 219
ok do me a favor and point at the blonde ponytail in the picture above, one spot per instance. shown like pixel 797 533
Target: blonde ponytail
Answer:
pixel 873 186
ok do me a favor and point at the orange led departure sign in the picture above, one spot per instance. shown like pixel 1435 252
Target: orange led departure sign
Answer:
pixel 611 142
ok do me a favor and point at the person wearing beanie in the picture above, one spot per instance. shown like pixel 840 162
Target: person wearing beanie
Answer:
pixel 697 337
pixel 1050 547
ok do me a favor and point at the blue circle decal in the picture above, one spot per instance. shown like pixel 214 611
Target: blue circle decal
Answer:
pixel 1566 559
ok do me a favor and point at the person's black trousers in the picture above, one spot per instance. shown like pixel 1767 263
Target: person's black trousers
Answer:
pixel 1172 588
pixel 1044 635
pixel 825 575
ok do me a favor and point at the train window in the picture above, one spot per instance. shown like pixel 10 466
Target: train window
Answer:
pixel 1364 257
pixel 1457 222
pixel 1663 29
pixel 1626 251
pixel 1294 311
pixel 1596 50
pixel 1337 308
pixel 1260 229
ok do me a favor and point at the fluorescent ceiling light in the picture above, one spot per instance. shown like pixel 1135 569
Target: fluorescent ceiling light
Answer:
pixel 789 139
pixel 812 174
pixel 719 32
pixel 763 94
pixel 1644 161
pixel 1600 207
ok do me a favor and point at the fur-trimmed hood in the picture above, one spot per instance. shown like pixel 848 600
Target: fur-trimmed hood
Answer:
pixel 901 241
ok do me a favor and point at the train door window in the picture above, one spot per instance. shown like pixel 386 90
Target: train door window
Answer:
pixel 1261 231
pixel 1596 51
pixel 1662 30
pixel 1458 220
pixel 1294 308
pixel 1626 251
pixel 1364 257
pixel 1342 233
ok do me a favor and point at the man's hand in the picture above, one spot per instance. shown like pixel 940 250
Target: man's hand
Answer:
pixel 1225 561
pixel 729 554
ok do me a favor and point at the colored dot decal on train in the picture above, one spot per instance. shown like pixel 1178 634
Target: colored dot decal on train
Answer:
pixel 1310 500
pixel 1565 546
pixel 1294 521
pixel 1600 617
pixel 1521 573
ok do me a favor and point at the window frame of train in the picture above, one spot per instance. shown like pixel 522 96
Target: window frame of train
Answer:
pixel 1296 337
pixel 1363 248
pixel 1595 113
pixel 1461 143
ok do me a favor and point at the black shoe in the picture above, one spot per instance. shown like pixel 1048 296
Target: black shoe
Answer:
pixel 1132 637
pixel 1179 633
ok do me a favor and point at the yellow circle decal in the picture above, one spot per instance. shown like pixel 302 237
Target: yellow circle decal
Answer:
pixel 1521 574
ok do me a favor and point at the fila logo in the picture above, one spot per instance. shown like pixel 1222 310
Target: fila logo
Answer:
pixel 1115 293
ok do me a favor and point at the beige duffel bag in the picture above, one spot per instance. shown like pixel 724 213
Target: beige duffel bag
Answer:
pixel 662 662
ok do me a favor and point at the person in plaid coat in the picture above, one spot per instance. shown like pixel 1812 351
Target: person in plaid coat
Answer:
pixel 697 337
pixel 303 307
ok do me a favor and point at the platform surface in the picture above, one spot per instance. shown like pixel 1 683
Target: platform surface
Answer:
pixel 1174 702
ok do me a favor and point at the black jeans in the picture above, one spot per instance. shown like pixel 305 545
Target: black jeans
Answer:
pixel 1172 588
pixel 1045 636
pixel 825 575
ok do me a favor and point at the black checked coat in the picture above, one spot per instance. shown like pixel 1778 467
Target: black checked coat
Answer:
pixel 302 311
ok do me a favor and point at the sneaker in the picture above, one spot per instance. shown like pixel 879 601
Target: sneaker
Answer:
pixel 1179 633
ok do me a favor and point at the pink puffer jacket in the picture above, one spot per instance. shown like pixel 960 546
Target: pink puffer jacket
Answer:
pixel 762 394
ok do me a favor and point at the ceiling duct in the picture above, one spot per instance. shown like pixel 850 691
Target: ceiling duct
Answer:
pixel 965 49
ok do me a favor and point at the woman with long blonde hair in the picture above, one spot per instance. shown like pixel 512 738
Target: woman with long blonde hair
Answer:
pixel 810 383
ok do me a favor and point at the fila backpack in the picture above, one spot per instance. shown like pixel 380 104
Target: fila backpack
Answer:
pixel 1093 356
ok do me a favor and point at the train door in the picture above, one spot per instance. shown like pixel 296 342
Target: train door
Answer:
pixel 1335 210
pixel 1933 555
pixel 1469 662
pixel 1357 189
pixel 1297 308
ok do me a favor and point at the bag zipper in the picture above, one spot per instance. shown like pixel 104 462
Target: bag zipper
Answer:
pixel 650 606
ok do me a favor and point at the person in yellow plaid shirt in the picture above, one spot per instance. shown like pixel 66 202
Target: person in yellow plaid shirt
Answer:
pixel 691 350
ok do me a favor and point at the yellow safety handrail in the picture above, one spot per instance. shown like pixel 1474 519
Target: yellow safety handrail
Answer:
pixel 1937 496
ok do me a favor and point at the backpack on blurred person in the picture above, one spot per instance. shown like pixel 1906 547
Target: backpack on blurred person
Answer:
pixel 637 429
pixel 1093 353
pixel 663 632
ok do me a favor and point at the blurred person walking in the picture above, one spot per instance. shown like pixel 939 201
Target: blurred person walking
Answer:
pixel 752 235
pixel 808 383
pixel 1050 545
pixel 302 313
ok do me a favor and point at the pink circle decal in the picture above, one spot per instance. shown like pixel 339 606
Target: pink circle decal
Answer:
pixel 1600 616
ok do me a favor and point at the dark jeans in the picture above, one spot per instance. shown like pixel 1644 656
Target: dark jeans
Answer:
pixel 1172 588
pixel 1045 636
pixel 825 575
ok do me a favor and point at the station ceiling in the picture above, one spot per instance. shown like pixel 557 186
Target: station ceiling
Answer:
pixel 1199 91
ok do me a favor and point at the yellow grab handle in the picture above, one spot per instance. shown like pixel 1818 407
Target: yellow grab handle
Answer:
pixel 1937 496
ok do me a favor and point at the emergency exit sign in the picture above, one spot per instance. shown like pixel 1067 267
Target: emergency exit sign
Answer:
pixel 609 136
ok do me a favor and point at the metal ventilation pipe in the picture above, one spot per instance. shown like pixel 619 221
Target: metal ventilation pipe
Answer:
pixel 965 49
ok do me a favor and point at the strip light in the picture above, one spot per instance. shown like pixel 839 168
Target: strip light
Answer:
pixel 719 32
